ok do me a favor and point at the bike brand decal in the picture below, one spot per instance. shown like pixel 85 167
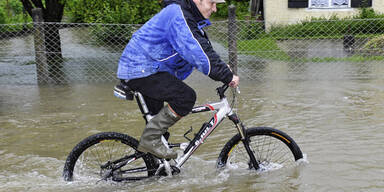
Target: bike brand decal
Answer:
pixel 207 130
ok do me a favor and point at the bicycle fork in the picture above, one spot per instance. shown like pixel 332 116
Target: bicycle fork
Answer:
pixel 245 139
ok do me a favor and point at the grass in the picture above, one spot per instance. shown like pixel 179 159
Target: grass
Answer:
pixel 267 48
pixel 264 48
pixel 354 58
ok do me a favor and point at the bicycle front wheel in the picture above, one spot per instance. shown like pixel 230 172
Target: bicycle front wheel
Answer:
pixel 272 148
pixel 108 156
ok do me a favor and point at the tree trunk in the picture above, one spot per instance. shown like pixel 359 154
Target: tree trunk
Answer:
pixel 53 52
pixel 52 13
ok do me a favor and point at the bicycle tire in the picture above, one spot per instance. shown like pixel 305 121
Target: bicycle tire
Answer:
pixel 86 158
pixel 272 149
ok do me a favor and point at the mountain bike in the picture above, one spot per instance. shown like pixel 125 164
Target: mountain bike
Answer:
pixel 114 156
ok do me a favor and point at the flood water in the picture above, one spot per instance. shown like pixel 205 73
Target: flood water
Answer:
pixel 338 125
pixel 334 111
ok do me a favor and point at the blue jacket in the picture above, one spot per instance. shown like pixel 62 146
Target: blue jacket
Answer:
pixel 173 41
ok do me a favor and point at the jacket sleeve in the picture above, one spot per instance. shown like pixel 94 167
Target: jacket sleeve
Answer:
pixel 195 48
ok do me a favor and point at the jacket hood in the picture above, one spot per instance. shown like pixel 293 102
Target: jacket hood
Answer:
pixel 186 4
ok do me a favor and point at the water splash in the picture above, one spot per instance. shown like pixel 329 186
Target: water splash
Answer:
pixel 303 160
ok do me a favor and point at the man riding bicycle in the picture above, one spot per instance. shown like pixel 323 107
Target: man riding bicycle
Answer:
pixel 162 53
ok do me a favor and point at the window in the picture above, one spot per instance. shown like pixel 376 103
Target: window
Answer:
pixel 329 3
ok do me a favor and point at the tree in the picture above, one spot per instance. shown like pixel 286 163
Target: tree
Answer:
pixel 52 12
pixel 52 9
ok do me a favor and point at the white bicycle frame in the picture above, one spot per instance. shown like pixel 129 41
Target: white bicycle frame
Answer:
pixel 222 109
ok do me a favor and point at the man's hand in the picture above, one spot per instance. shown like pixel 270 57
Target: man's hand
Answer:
pixel 235 81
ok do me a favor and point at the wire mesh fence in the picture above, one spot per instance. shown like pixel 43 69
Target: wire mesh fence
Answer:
pixel 62 53
pixel 331 49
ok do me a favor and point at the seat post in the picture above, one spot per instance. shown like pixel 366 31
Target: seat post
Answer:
pixel 143 107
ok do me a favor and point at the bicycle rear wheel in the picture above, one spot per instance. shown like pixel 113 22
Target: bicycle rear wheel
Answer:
pixel 108 156
pixel 272 148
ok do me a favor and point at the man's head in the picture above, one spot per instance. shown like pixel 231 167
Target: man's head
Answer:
pixel 207 7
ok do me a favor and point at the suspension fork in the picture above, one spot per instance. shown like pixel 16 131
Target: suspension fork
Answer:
pixel 244 138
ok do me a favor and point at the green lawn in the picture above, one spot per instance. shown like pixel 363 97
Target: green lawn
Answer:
pixel 267 48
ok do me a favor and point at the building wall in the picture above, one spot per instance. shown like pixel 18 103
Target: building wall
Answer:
pixel 277 12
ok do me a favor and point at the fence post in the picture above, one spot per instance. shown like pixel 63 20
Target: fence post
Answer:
pixel 42 67
pixel 232 34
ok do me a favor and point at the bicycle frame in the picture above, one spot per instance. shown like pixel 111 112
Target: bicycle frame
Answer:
pixel 222 109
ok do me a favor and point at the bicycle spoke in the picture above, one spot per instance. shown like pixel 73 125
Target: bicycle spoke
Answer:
pixel 270 152
pixel 110 151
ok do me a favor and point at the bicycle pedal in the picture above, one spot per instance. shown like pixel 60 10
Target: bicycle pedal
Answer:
pixel 175 170
pixel 163 171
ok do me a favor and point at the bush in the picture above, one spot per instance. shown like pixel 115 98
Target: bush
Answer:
pixel 11 11
pixel 241 9
pixel 250 29
pixel 111 11
pixel 367 13
pixel 375 45
pixel 2 16
pixel 330 28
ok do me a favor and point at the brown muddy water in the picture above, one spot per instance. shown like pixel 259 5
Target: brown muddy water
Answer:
pixel 337 123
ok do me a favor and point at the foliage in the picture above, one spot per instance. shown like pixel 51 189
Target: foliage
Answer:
pixel 2 15
pixel 353 58
pixel 367 22
pixel 366 13
pixel 251 30
pixel 11 11
pixel 375 46
pixel 111 11
pixel 267 48
pixel 375 43
pixel 242 7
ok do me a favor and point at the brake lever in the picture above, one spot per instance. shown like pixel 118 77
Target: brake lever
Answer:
pixel 236 90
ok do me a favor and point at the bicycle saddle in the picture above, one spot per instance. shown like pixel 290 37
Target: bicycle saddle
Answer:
pixel 122 91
